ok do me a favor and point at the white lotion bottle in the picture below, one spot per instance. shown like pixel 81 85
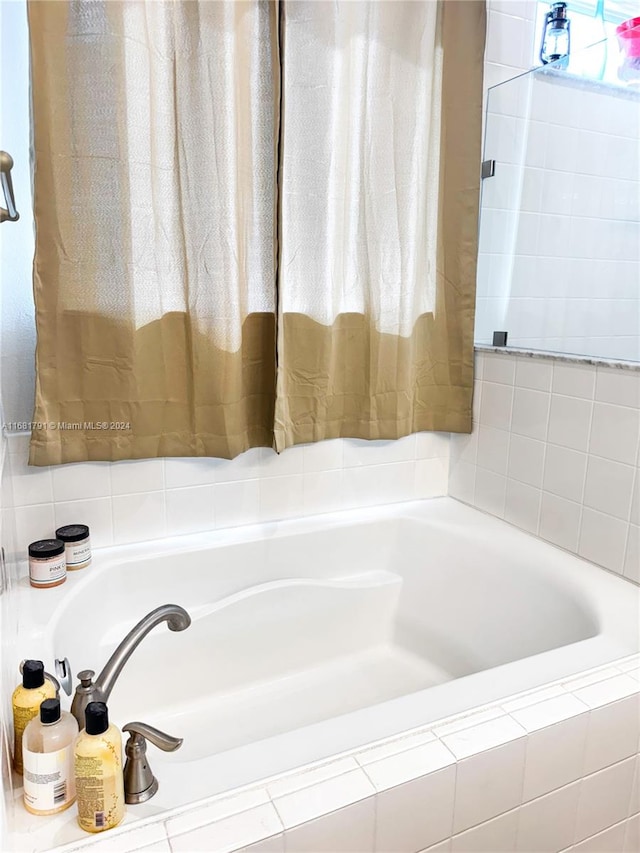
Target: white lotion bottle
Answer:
pixel 47 751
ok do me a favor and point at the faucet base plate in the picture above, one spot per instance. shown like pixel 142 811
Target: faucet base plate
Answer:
pixel 132 798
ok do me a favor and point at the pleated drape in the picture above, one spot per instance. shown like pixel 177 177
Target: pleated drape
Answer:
pixel 378 227
pixel 255 222
pixel 155 140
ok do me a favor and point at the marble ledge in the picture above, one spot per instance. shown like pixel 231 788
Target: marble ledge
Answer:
pixel 596 361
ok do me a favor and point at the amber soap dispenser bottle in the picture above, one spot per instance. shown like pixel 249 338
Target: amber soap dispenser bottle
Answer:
pixel 98 771
pixel 25 703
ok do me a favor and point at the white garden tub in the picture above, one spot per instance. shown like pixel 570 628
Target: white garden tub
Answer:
pixel 316 636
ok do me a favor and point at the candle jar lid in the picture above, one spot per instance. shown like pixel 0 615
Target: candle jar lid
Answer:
pixel 72 532
pixel 43 549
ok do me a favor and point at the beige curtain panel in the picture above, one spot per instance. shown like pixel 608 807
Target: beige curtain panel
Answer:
pixel 256 222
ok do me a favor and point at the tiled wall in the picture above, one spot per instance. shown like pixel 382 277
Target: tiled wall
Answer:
pixel 555 451
pixel 560 224
pixel 136 501
pixel 556 769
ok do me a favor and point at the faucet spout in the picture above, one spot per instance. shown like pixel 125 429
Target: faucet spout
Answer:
pixel 177 619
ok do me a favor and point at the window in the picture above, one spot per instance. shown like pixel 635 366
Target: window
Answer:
pixel 590 57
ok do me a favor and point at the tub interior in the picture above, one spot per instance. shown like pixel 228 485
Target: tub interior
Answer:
pixel 292 630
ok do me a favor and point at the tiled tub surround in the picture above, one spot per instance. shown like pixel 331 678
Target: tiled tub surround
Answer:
pixel 555 450
pixel 148 499
pixel 555 769
pixel 527 614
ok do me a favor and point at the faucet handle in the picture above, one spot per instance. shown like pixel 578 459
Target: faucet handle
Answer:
pixel 162 740
pixel 86 677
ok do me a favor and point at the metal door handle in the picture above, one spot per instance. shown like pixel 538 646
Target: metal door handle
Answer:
pixel 9 213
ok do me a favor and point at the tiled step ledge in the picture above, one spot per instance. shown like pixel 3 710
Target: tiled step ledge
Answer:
pixel 556 772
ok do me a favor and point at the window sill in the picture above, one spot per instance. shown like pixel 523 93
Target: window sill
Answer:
pixel 575 81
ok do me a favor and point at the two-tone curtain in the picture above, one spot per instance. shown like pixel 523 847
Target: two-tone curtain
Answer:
pixel 256 222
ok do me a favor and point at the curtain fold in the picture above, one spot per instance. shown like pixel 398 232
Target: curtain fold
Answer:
pixel 155 132
pixel 378 218
pixel 256 222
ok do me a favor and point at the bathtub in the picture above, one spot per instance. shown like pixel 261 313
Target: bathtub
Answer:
pixel 314 637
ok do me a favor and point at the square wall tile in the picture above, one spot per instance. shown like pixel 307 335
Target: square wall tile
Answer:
pixel 530 413
pixel 548 822
pixel 609 486
pixel 137 518
pixel 499 368
pixel 348 830
pixel 464 448
pixel 432 445
pixel 610 840
pixel 621 387
pixel 30 485
pixel 236 503
pixel 495 405
pixel 522 506
pixel 32 523
pixel 493 449
pixel 555 756
pixel 95 513
pixel 462 481
pixel 431 477
pixel 322 491
pixel 189 510
pixel 488 784
pixel 614 433
pixel 559 521
pixel 574 380
pixel 604 799
pixel 526 460
pixel 564 472
pixel 323 455
pixel 603 539
pixel 81 480
pixel 140 475
pixel 492 836
pixel 490 492
pixel 417 814
pixel 280 497
pixel 613 733
pixel 569 422
pixel 376 484
pixel 189 471
pixel 534 373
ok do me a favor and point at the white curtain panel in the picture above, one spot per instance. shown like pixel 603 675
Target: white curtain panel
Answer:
pixel 360 160
pixel 174 132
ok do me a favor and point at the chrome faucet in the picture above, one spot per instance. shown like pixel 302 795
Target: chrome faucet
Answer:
pixel 99 690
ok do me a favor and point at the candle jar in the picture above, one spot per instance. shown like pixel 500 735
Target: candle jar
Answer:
pixel 77 545
pixel 47 563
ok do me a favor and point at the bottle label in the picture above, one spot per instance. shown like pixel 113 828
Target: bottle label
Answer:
pixel 78 554
pixel 48 779
pixel 47 571
pixel 100 793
